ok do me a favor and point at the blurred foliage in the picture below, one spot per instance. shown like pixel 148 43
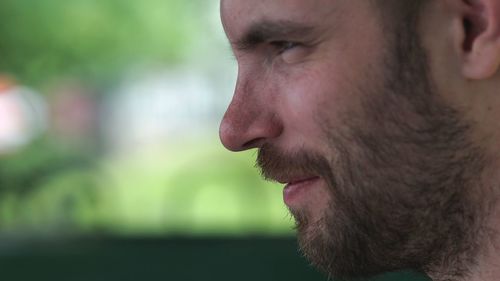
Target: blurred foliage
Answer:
pixel 22 171
pixel 93 39
pixel 45 181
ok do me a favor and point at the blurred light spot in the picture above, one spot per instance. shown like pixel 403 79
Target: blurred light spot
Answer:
pixel 22 115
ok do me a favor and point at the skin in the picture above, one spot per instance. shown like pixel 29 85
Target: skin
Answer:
pixel 292 100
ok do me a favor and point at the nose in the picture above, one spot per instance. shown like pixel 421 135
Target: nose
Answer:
pixel 250 120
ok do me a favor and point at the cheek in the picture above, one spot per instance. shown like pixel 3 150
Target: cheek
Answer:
pixel 313 98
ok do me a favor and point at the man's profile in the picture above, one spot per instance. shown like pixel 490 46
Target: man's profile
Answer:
pixel 382 120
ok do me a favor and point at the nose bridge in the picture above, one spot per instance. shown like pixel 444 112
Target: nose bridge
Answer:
pixel 250 117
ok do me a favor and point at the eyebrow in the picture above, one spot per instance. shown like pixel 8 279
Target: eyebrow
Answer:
pixel 265 31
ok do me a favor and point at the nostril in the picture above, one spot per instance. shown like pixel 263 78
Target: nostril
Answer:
pixel 253 143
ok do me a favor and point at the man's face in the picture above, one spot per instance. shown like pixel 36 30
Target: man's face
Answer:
pixel 343 112
pixel 296 84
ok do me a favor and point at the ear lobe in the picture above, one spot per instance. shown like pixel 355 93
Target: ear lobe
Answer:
pixel 481 45
pixel 482 62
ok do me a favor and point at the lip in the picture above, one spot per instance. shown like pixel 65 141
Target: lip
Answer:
pixel 294 190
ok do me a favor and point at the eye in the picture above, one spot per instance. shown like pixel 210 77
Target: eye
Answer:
pixel 289 52
pixel 283 46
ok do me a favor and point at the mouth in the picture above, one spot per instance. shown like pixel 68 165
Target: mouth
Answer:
pixel 295 190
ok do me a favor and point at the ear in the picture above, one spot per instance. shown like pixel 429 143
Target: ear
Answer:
pixel 481 46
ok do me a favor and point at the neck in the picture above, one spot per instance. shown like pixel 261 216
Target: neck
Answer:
pixel 481 262
pixel 488 261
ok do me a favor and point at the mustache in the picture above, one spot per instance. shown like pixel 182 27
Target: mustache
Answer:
pixel 275 164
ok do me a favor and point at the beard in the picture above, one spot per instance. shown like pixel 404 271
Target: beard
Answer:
pixel 403 174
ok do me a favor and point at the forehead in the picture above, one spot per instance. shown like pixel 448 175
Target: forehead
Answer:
pixel 237 15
